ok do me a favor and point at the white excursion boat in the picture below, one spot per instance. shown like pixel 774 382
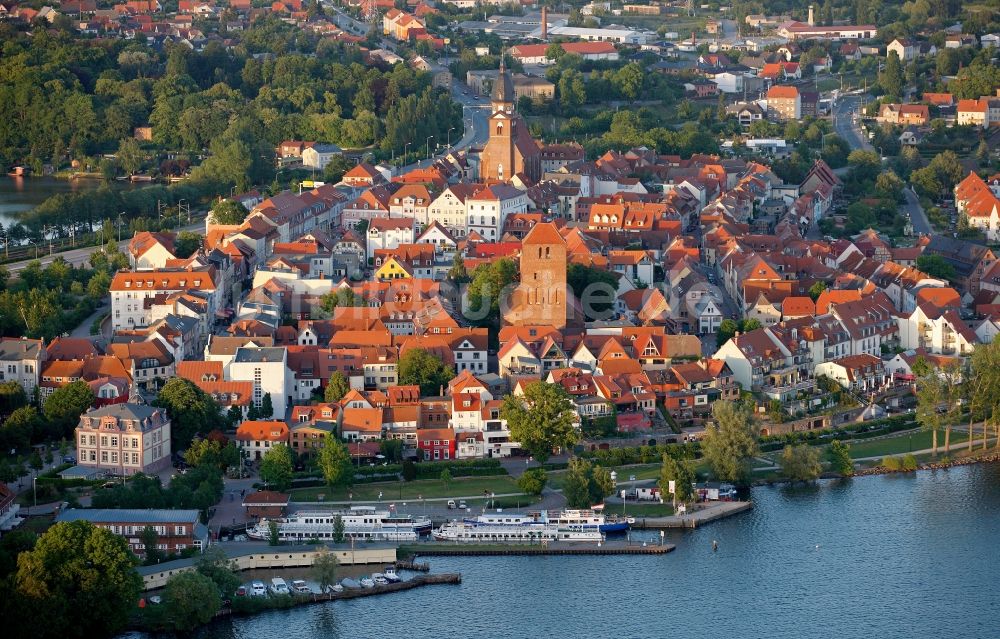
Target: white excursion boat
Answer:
pixel 572 519
pixel 528 533
pixel 360 522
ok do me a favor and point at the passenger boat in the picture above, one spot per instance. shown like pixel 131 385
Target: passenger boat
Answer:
pixel 572 519
pixel 360 522
pixel 463 531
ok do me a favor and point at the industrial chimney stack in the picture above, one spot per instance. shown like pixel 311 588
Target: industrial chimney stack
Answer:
pixel 545 23
pixel 812 21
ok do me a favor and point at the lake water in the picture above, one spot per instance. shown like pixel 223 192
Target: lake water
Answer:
pixel 22 194
pixel 896 556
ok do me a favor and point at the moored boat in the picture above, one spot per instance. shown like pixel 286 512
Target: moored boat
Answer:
pixel 360 522
pixel 462 531
pixel 572 519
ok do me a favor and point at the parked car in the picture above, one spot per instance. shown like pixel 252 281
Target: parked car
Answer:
pixel 451 504
pixel 69 459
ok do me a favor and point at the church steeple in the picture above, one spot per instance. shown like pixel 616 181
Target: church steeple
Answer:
pixel 503 89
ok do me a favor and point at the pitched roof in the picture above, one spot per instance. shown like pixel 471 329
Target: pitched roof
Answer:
pixel 272 430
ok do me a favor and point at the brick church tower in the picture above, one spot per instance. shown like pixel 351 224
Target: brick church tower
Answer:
pixel 510 148
pixel 540 298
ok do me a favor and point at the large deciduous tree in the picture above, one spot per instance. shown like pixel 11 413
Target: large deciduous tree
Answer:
pixel 324 568
pixel 190 409
pixel 419 367
pixel 730 442
pixel 276 467
pixel 193 600
pixel 81 578
pixel 65 405
pixel 228 212
pixel 334 461
pixel 937 402
pixel 682 476
pixel 586 484
pixel 800 463
pixel 542 420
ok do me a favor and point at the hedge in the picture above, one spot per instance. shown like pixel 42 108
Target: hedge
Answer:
pixel 393 472
pixel 863 430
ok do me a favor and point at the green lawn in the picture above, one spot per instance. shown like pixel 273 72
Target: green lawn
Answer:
pixel 426 488
pixel 901 444
pixel 624 473
pixel 640 510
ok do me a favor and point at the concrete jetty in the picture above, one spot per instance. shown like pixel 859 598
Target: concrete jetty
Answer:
pixel 714 512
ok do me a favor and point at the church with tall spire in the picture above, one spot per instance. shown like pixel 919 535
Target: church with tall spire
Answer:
pixel 510 149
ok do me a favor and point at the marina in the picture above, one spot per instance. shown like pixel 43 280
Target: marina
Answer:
pixel 898 532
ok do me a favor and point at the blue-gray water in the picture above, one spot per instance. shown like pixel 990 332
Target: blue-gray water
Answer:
pixel 18 195
pixel 897 556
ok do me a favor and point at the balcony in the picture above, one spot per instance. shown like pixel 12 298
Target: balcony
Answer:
pixel 789 391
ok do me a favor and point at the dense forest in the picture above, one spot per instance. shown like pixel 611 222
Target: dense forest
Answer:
pixel 71 99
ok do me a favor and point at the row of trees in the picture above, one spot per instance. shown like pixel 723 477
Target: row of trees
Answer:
pixel 22 425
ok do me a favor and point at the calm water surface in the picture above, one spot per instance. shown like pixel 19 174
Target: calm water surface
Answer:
pixel 23 194
pixel 884 557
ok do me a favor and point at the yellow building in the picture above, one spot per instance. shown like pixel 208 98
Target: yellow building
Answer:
pixel 393 269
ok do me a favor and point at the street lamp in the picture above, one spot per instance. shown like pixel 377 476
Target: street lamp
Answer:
pixel 449 136
pixel 405 147
pixel 428 145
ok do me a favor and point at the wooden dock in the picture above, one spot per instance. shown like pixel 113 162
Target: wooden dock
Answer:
pixel 440 550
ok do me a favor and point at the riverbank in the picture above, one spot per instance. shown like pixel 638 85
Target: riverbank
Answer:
pixel 991 458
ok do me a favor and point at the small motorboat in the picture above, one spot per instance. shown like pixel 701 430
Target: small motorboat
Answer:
pixel 349 584
pixel 333 588
pixel 380 579
pixel 391 575
pixel 300 586
pixel 367 582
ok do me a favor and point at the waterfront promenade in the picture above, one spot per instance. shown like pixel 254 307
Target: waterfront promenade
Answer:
pixel 712 511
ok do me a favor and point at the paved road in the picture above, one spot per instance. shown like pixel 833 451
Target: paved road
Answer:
pixel 80 256
pixel 83 330
pixel 849 128
pixel 845 125
pixel 921 225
